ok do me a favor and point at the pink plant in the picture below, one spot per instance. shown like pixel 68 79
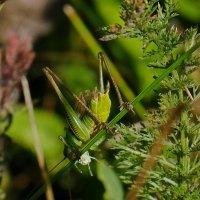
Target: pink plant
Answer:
pixel 16 58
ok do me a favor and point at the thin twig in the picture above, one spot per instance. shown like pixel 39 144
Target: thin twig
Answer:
pixel 38 148
pixel 188 93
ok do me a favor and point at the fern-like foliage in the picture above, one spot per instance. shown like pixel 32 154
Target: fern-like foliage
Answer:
pixel 162 42
pixel 176 174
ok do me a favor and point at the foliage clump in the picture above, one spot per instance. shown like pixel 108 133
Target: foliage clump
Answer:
pixel 176 174
pixel 162 42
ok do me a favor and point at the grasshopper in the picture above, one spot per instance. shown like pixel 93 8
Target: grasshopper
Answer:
pixel 91 113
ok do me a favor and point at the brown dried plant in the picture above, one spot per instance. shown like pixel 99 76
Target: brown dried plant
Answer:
pixel 16 58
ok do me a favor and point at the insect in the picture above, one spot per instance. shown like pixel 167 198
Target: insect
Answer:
pixel 91 113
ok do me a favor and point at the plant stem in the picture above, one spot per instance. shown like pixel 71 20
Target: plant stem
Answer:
pixel 38 147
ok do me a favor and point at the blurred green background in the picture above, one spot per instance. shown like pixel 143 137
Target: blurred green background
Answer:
pixel 74 58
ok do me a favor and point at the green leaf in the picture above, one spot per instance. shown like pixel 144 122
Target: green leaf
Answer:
pixel 190 9
pixel 49 125
pixel 112 185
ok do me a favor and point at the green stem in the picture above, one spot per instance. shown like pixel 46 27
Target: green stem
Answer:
pixel 53 178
